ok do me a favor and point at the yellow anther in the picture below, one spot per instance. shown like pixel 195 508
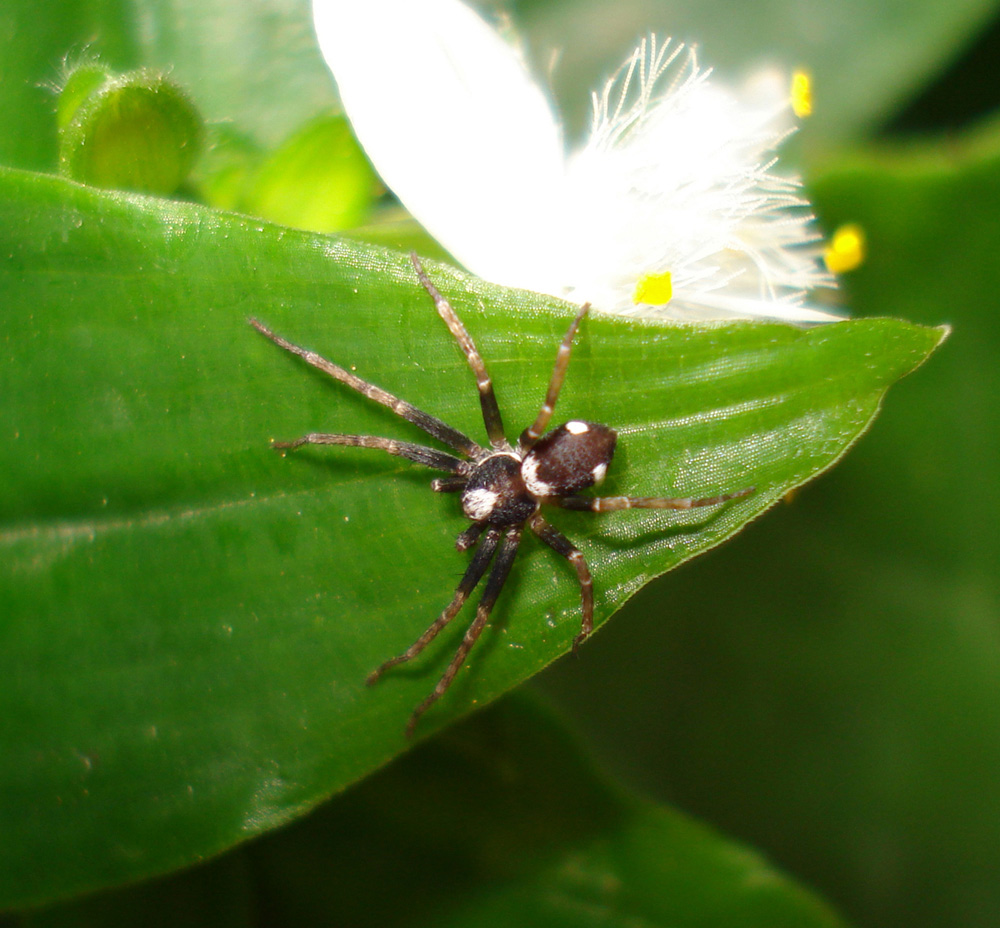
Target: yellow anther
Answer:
pixel 846 250
pixel 653 289
pixel 802 94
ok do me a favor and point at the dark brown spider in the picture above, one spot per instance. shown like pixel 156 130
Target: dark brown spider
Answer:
pixel 502 487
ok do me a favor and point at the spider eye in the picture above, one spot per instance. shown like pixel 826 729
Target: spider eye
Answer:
pixel 572 457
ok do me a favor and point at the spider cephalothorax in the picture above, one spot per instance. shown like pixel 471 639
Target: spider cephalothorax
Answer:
pixel 502 487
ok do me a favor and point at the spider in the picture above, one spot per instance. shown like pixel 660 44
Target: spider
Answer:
pixel 502 487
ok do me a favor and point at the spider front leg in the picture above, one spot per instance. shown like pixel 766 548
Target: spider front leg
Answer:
pixel 487 396
pixel 498 576
pixel 562 545
pixel 473 574
pixel 534 431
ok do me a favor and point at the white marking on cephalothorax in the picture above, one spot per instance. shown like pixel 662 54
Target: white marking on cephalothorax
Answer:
pixel 529 474
pixel 513 454
pixel 577 428
pixel 479 504
pixel 599 471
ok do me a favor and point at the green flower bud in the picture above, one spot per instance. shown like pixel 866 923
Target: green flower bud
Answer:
pixel 135 131
pixel 81 82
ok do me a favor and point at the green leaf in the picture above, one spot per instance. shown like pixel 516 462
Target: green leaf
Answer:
pixel 190 618
pixel 421 843
pixel 31 46
pixel 841 663
pixel 319 179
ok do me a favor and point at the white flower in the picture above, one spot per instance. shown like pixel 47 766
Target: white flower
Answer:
pixel 671 208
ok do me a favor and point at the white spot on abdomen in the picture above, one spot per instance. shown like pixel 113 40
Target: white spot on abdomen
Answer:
pixel 529 474
pixel 577 428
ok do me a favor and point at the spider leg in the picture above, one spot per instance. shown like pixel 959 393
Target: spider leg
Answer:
pixel 448 484
pixel 494 584
pixel 614 503
pixel 470 536
pixel 473 574
pixel 562 545
pixel 429 457
pixel 487 398
pixel 531 434
pixel 430 424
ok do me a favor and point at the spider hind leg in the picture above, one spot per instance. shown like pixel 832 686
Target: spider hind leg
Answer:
pixel 559 543
pixel 617 503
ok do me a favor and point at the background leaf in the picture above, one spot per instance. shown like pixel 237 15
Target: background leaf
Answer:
pixel 319 179
pixel 191 617
pixel 867 57
pixel 253 66
pixel 430 822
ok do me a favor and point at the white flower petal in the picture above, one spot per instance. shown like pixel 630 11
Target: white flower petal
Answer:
pixel 454 124
pixel 674 197
pixel 677 179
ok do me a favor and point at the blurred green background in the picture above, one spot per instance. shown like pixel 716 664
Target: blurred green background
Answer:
pixel 826 687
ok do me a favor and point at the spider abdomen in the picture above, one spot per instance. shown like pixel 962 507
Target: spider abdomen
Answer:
pixel 570 458
pixel 496 492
